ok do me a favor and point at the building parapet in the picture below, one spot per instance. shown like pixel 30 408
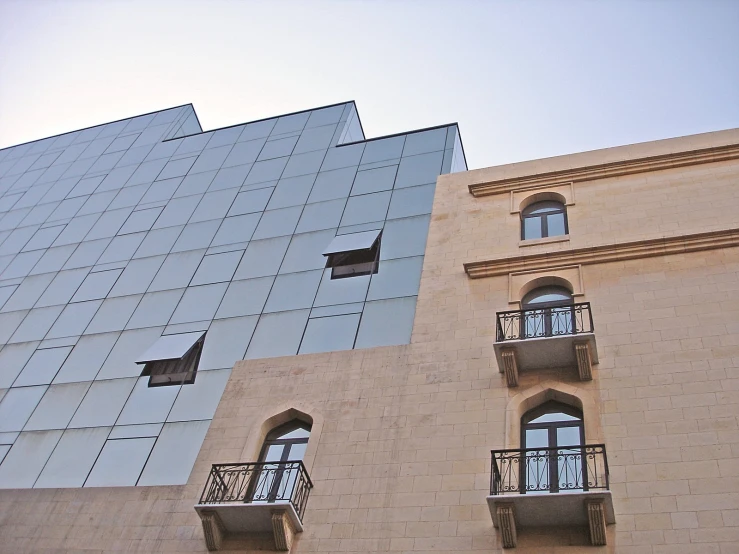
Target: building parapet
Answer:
pixel 607 170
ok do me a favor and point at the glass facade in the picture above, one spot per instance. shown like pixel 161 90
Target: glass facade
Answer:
pixel 114 236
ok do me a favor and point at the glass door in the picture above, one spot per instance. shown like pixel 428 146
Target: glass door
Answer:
pixel 553 436
pixel 284 448
pixel 548 312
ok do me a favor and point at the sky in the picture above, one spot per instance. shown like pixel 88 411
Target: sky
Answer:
pixel 524 79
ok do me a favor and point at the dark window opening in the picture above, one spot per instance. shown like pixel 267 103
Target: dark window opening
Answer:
pixel 178 371
pixel 544 219
pixel 354 263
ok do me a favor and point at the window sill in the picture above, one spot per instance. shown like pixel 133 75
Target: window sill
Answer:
pixel 546 240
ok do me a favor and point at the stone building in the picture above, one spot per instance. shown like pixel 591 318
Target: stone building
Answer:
pixel 562 380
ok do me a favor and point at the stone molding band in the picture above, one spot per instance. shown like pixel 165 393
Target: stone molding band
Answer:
pixel 605 253
pixel 604 171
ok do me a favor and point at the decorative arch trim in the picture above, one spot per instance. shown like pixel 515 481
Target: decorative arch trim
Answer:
pixel 523 197
pixel 542 197
pixel 532 397
pixel 520 284
pixel 266 421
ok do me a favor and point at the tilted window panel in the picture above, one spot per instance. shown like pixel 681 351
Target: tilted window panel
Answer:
pixel 354 254
pixel 173 359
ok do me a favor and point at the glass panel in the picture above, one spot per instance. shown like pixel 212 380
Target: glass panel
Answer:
pixel 537 438
pixel 558 416
pixel 174 453
pixel 532 228
pixel 227 341
pixel 567 436
pixel 537 462
pixel 561 320
pixel 374 180
pixel 293 291
pixel 328 334
pixel 556 225
pixel 291 192
pixel 396 279
pixel 422 169
pixel 27 458
pixel 543 296
pixel 569 461
pixel 265 477
pixel 285 477
pixel 386 322
pixel 296 434
pixel 278 334
pixel 543 208
pixel 534 324
pixel 274 453
pixel 57 407
pixel 73 458
pixel 199 303
pixel 305 251
pixel 120 463
pixel 549 296
pixel 297 451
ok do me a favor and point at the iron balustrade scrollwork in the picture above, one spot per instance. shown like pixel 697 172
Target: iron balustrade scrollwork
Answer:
pixel 544 322
pixel 550 470
pixel 258 482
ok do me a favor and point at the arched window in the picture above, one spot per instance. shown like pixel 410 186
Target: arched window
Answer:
pixel 280 462
pixel 286 442
pixel 544 219
pixel 553 438
pixel 554 425
pixel 548 312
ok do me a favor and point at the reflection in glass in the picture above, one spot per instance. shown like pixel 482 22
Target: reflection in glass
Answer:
pixel 532 228
pixel 556 225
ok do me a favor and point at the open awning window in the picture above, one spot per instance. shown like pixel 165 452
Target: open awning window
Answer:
pixel 354 254
pixel 173 359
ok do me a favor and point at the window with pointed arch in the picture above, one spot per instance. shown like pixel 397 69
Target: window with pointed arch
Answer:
pixel 553 439
pixel 547 218
pixel 280 460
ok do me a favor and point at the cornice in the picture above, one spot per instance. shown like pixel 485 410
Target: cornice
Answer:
pixel 604 171
pixel 605 253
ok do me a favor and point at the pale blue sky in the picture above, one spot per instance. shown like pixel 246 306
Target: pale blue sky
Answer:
pixel 524 79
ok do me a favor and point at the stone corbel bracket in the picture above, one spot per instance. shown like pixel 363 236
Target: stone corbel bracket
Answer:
pixel 283 530
pixel 212 530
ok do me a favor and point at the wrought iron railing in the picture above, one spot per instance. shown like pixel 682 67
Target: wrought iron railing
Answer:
pixel 544 322
pixel 537 470
pixel 258 482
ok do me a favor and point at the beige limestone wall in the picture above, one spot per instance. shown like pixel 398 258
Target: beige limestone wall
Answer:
pixel 401 463
pixel 663 203
pixel 400 455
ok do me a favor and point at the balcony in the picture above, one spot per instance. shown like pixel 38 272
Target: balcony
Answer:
pixel 254 498
pixel 544 487
pixel 546 338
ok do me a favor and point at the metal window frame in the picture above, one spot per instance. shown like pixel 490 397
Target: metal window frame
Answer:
pixel 543 219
